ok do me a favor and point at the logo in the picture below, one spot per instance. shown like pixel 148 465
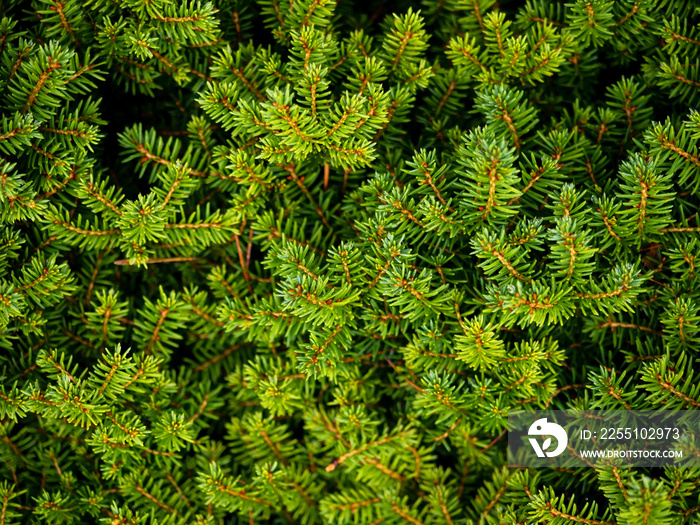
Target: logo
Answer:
pixel 542 428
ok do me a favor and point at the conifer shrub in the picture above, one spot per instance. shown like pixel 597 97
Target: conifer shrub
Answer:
pixel 294 261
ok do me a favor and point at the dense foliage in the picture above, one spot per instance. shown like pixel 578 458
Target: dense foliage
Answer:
pixel 295 261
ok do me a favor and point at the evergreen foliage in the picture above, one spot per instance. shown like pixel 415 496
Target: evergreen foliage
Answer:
pixel 294 262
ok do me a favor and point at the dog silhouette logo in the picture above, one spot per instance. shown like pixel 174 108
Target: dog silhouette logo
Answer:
pixel 543 428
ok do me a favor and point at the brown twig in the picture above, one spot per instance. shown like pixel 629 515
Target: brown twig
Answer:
pixel 158 260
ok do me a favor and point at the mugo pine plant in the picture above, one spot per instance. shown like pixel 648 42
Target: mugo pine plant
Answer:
pixel 294 261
